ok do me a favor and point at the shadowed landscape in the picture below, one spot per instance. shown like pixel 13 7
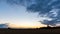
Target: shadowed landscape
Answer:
pixel 31 31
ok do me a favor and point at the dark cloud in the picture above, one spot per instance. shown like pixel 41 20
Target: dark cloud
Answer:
pixel 3 26
pixel 50 8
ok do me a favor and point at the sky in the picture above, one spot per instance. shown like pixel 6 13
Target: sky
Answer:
pixel 18 17
pixel 30 13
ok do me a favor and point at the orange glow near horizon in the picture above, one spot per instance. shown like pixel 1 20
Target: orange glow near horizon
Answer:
pixel 26 25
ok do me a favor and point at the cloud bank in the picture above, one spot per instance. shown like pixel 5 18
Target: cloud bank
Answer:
pixel 49 10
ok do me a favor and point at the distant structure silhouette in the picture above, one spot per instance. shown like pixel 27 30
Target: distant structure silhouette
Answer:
pixel 48 26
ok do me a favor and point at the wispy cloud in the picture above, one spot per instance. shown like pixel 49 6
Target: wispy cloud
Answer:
pixel 43 7
pixel 49 10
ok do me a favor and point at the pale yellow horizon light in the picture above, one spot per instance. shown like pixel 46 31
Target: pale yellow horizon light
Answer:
pixel 15 25
pixel 24 24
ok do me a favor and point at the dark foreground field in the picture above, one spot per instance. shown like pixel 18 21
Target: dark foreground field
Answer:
pixel 30 31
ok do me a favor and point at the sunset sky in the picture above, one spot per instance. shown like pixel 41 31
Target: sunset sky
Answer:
pixel 18 16
pixel 30 13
